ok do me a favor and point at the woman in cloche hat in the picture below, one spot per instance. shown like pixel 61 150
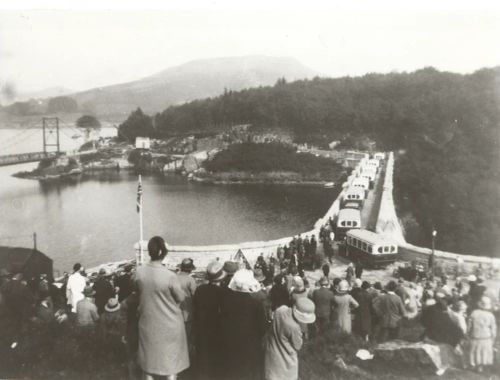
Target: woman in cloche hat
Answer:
pixel 285 340
pixel 343 303
pixel 244 321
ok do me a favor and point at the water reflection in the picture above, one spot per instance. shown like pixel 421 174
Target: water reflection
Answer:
pixel 93 218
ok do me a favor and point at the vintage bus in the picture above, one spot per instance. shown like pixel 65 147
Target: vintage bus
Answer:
pixel 347 219
pixel 361 182
pixel 373 163
pixel 380 156
pixel 354 194
pixel 372 249
pixel 369 173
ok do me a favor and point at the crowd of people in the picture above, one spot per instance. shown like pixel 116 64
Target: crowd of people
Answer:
pixel 246 322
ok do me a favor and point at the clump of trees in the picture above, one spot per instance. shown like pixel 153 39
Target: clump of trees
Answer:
pixel 88 122
pixel 271 157
pixel 137 124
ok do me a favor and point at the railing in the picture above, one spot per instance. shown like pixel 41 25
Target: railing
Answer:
pixel 12 159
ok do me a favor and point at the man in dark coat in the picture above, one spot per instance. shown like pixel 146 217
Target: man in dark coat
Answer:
pixel 243 326
pixel 363 314
pixel 323 299
pixel 358 270
pixel 18 301
pixel 207 326
pixel 391 311
pixel 103 290
pixel 438 324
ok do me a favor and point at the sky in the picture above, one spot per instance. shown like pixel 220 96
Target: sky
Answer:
pixel 82 48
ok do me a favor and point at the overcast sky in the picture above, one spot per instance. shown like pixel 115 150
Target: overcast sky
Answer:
pixel 84 49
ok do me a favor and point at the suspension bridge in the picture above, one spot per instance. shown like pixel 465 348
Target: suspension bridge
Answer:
pixel 51 142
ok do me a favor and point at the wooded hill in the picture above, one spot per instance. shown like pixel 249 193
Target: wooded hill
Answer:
pixel 446 127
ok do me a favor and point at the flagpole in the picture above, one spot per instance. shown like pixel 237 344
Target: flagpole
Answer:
pixel 141 256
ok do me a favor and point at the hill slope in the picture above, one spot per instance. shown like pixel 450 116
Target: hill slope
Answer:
pixel 192 80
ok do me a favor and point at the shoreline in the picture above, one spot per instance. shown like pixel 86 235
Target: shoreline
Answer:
pixel 260 181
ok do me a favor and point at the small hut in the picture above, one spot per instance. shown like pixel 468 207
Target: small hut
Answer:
pixel 28 261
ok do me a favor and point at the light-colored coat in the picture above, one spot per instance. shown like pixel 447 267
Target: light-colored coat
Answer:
pixel 283 341
pixel 74 289
pixel 343 319
pixel 163 348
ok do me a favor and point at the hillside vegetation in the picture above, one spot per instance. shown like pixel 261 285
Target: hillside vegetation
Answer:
pixel 273 158
pixel 445 125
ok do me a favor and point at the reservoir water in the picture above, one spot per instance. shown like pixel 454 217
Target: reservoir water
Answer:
pixel 94 220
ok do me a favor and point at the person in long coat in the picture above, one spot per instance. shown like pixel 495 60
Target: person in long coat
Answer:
pixel 188 286
pixel 363 316
pixel 207 327
pixel 323 301
pixel 284 340
pixel 482 333
pixel 343 303
pixel 243 328
pixel 163 348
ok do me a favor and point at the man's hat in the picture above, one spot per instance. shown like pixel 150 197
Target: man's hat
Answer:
pixel 215 271
pixel 112 305
pixel 231 267
pixel 187 265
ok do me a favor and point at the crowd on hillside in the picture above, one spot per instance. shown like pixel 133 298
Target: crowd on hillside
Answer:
pixel 250 323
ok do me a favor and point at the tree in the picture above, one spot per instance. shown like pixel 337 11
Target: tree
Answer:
pixel 137 124
pixel 88 121
pixel 63 104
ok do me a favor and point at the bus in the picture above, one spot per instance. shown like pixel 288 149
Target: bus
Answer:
pixel 369 173
pixel 379 156
pixel 373 163
pixel 354 194
pixel 348 218
pixel 362 182
pixel 372 249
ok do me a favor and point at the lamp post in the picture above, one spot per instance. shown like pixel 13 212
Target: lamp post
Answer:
pixel 431 260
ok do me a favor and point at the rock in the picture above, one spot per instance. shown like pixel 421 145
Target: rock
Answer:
pixel 434 356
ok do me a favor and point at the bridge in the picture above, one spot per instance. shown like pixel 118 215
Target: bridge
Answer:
pixel 51 141
pixel 21 158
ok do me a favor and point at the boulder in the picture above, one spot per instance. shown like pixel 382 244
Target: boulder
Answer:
pixel 426 355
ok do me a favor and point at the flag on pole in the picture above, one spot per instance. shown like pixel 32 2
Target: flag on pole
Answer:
pixel 139 195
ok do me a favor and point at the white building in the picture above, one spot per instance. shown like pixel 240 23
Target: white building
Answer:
pixel 142 142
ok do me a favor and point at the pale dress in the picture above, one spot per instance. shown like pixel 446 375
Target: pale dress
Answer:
pixel 482 333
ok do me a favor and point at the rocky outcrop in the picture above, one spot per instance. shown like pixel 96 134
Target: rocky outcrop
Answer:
pixel 423 355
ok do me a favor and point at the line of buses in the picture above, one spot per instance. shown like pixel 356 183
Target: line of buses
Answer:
pixel 372 249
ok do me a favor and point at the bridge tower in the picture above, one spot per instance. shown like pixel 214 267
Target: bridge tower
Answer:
pixel 50 133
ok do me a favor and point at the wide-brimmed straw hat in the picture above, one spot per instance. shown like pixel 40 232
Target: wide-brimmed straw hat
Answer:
pixel 484 303
pixel 88 291
pixel 243 281
pixel 259 275
pixel 215 271
pixel 343 287
pixel 303 310
pixel 187 265
pixel 112 305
